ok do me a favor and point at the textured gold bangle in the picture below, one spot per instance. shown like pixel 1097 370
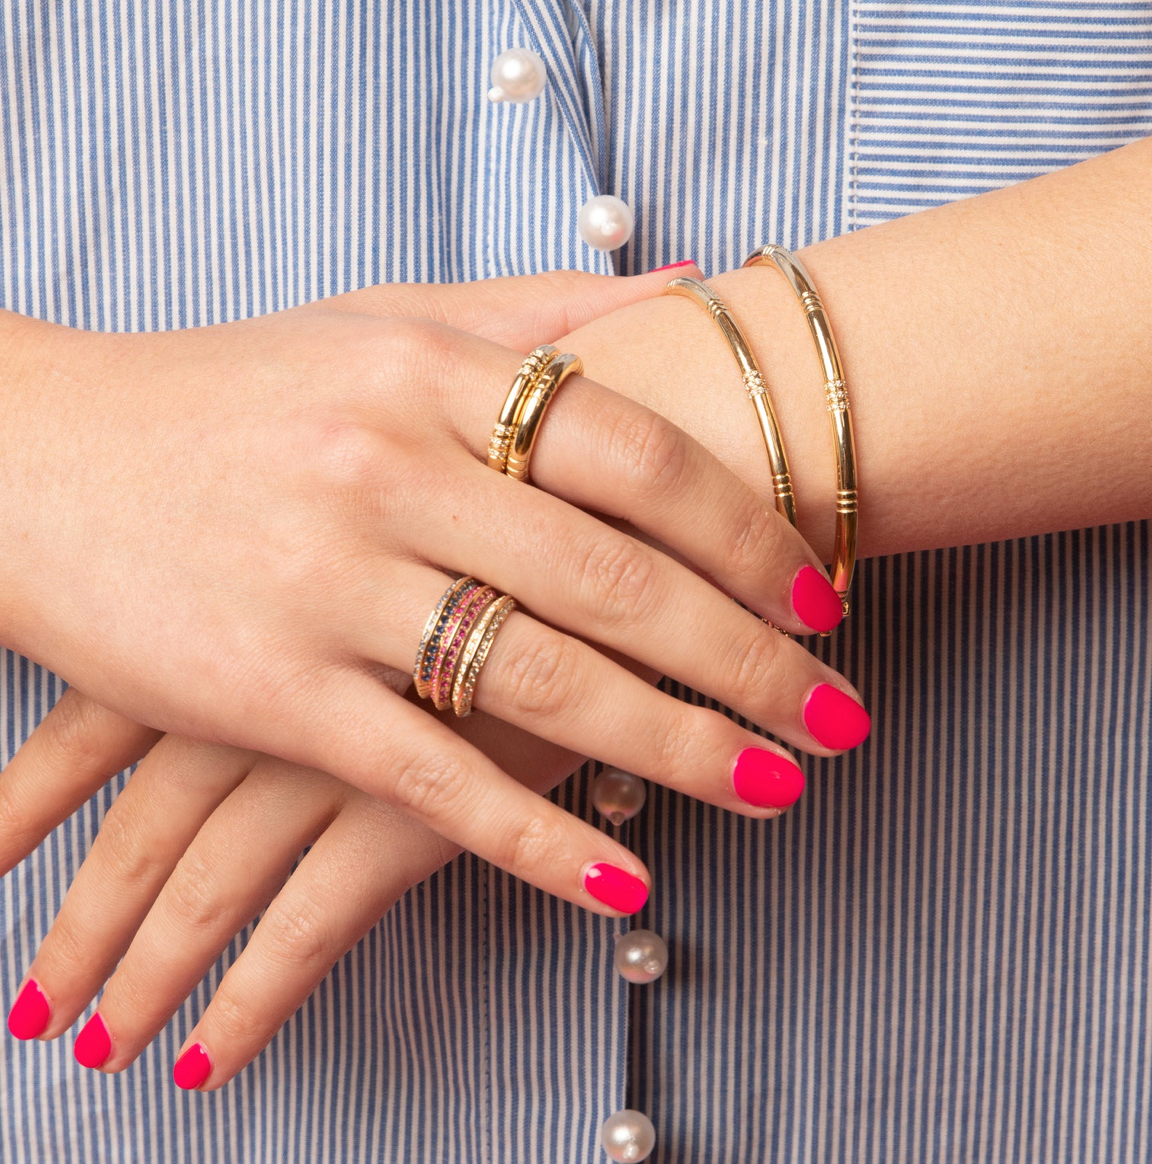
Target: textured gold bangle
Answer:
pixel 476 651
pixel 836 398
pixel 505 428
pixel 754 385
pixel 537 400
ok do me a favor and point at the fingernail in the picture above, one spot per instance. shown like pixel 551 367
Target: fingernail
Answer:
pixel 673 266
pixel 767 779
pixel 615 887
pixel 815 601
pixel 192 1068
pixel 30 1012
pixel 836 720
pixel 93 1044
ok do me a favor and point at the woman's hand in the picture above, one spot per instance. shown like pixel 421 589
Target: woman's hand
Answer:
pixel 336 460
pixel 173 876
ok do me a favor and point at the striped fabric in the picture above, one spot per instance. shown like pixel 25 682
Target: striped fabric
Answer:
pixel 941 953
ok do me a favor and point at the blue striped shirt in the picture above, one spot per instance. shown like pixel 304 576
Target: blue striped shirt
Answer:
pixel 942 952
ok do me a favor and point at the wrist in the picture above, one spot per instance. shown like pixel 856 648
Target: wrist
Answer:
pixel 34 355
pixel 669 355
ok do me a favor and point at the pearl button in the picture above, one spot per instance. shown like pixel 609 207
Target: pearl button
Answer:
pixel 628 1136
pixel 641 956
pixel 618 795
pixel 605 222
pixel 518 75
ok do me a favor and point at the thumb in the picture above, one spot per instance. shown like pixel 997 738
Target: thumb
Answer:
pixel 518 311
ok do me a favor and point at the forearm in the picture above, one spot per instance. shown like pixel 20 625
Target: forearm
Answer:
pixel 996 352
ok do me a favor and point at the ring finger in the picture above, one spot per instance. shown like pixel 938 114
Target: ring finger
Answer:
pixel 564 690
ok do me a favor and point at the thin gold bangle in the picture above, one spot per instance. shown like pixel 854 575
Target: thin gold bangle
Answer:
pixel 555 372
pixel 836 397
pixel 754 385
pixel 505 428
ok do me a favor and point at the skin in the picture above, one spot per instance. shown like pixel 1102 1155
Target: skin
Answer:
pixel 986 266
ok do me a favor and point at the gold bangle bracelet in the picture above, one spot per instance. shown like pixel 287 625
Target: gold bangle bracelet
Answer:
pixel 754 385
pixel 554 373
pixel 836 397
pixel 505 428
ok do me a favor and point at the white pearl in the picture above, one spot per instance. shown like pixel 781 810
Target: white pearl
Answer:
pixel 628 1136
pixel 518 75
pixel 641 956
pixel 605 222
pixel 618 795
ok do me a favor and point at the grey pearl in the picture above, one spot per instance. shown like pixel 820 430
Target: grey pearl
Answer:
pixel 618 795
pixel 641 956
pixel 628 1136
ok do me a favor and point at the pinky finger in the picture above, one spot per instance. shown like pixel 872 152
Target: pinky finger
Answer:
pixel 338 892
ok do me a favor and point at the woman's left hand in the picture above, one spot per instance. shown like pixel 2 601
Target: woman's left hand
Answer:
pixel 174 875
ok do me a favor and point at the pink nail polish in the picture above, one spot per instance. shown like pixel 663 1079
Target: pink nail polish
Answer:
pixel 615 887
pixel 673 266
pixel 815 600
pixel 93 1044
pixel 836 720
pixel 30 1012
pixel 767 779
pixel 192 1068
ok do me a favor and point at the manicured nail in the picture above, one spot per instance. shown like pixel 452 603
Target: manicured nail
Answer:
pixel 615 887
pixel 192 1068
pixel 815 600
pixel 767 779
pixel 836 720
pixel 673 266
pixel 30 1012
pixel 93 1043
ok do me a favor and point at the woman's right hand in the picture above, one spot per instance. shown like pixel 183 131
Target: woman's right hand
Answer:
pixel 235 533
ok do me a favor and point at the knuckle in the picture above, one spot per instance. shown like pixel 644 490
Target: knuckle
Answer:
pixel 72 730
pixel 652 453
pixel 18 835
pixel 68 956
pixel 536 681
pixel 123 845
pixel 621 573
pixel 528 844
pixel 296 937
pixel 346 454
pixel 231 1017
pixel 757 542
pixel 757 669
pixel 191 897
pixel 674 746
pixel 415 348
pixel 429 790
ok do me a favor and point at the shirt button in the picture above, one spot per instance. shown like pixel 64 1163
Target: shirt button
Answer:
pixel 618 795
pixel 641 956
pixel 628 1136
pixel 605 222
pixel 518 75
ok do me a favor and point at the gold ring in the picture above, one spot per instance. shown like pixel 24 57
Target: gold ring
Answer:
pixel 505 428
pixel 555 372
